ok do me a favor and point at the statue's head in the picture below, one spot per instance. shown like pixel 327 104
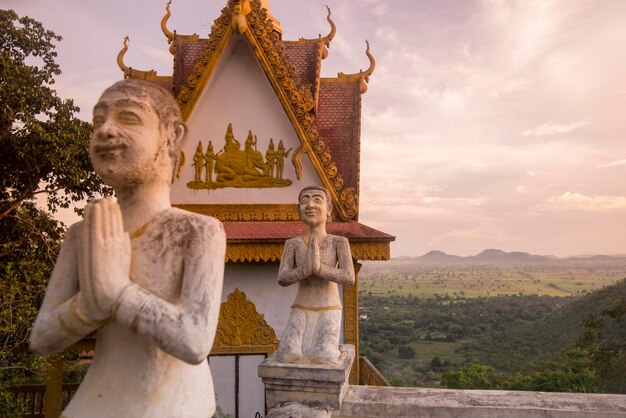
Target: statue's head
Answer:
pixel 138 133
pixel 315 205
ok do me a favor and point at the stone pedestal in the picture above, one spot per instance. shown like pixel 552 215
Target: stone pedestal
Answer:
pixel 312 385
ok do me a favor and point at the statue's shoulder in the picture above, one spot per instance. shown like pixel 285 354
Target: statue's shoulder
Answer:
pixel 294 242
pixel 338 239
pixel 175 219
pixel 73 233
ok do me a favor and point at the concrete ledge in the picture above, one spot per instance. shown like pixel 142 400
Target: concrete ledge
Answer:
pixel 391 402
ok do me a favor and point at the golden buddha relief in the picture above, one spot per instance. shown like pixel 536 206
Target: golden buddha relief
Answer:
pixel 234 167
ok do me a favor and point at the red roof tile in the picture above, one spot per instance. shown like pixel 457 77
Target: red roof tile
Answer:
pixel 188 51
pixel 338 123
pixel 280 231
pixel 304 55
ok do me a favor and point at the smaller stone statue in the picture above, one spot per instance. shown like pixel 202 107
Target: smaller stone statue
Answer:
pixel 144 277
pixel 318 262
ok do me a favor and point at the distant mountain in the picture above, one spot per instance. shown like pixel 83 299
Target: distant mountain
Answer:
pixel 439 257
pixel 495 256
pixel 502 257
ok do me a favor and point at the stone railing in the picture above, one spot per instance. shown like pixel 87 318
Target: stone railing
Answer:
pixel 392 402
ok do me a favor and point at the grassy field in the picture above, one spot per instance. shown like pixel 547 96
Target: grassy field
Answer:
pixel 406 278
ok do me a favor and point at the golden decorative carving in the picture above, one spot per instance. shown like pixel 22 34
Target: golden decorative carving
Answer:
pixel 370 250
pixel 241 329
pixel 256 212
pixel 239 168
pixel 362 76
pixel 251 252
pixel 297 101
pixel 351 321
pixel 130 72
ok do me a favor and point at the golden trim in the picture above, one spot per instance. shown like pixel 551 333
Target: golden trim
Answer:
pixel 129 72
pixel 351 321
pixel 242 252
pixel 252 252
pixel 242 329
pixel 297 101
pixel 257 212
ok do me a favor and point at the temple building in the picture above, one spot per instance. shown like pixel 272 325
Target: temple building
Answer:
pixel 263 124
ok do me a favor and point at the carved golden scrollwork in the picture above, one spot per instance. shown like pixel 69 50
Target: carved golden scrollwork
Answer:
pixel 234 167
pixel 241 329
pixel 247 212
pixel 251 252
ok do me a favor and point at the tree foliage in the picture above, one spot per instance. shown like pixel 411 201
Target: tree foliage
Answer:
pixel 44 153
pixel 44 147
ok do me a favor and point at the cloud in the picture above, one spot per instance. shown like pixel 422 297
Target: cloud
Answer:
pixel 569 201
pixel 549 129
pixel 613 163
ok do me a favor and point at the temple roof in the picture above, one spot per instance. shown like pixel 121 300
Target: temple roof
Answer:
pixel 325 112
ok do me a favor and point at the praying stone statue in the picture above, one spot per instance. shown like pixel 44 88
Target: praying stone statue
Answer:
pixel 145 277
pixel 318 262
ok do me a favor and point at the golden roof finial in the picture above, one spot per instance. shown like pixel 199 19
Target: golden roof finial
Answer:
pixel 363 76
pixel 370 70
pixel 333 29
pixel 170 35
pixel 120 58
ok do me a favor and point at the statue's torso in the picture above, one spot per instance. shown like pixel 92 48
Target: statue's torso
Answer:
pixel 130 376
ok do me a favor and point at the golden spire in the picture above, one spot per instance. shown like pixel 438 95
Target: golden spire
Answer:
pixel 170 35
pixel 364 76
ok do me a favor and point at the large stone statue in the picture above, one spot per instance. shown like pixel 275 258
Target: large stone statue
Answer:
pixel 318 262
pixel 146 277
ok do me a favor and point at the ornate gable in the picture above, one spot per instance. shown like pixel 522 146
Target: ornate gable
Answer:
pixel 293 70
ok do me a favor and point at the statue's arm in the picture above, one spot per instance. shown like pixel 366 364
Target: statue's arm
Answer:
pixel 185 329
pixel 288 272
pixel 60 323
pixel 344 272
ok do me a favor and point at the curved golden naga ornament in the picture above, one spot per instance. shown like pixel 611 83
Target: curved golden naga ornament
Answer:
pixel 363 76
pixel 130 72
pixel 173 35
pixel 242 329
pixel 169 35
pixel 325 41
pixel 120 58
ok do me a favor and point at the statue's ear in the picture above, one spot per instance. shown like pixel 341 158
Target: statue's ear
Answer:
pixel 179 136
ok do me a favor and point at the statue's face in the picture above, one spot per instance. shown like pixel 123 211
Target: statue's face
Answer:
pixel 126 147
pixel 313 207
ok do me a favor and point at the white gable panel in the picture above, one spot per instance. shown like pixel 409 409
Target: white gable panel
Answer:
pixel 239 93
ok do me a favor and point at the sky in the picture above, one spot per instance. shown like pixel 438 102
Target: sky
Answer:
pixel 486 124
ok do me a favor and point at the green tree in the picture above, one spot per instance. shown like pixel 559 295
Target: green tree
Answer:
pixel 44 154
pixel 474 376
pixel 44 146
pixel 406 352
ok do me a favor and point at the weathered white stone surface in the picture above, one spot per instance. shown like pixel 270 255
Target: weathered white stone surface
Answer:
pixel 145 277
pixel 296 410
pixel 392 402
pixel 318 262
pixel 314 385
